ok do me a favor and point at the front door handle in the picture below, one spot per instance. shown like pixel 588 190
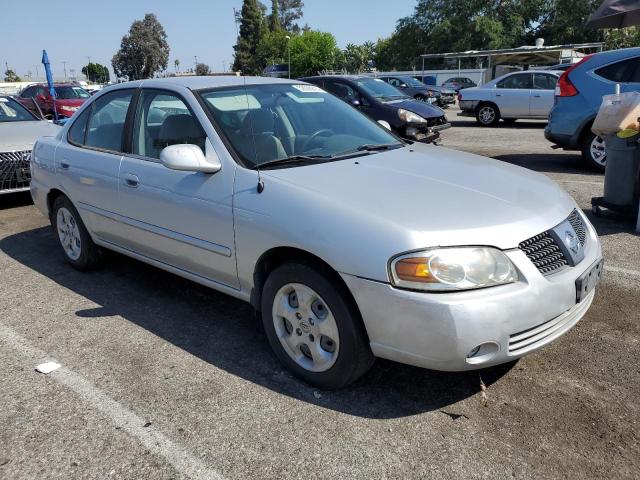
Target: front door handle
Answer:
pixel 131 180
pixel 536 96
pixel 64 165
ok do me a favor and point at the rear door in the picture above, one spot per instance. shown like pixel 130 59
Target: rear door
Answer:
pixel 88 163
pixel 542 94
pixel 512 95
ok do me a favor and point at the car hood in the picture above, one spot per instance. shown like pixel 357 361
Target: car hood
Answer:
pixel 22 135
pixel 424 196
pixel 424 109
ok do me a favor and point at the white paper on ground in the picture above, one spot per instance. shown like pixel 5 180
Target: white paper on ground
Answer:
pixel 47 367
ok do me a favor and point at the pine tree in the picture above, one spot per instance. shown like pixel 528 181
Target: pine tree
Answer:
pixel 274 19
pixel 252 29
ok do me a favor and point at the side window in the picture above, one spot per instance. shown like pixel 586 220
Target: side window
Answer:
pixel 105 129
pixel 520 81
pixel 163 119
pixel 395 82
pixel 29 93
pixel 79 128
pixel 544 81
pixel 341 90
pixel 621 72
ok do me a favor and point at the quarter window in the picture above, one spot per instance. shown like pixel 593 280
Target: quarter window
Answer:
pixel 626 71
pixel 79 128
pixel 163 119
pixel 520 81
pixel 105 129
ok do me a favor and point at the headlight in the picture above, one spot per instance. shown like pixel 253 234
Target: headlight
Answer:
pixel 450 269
pixel 410 117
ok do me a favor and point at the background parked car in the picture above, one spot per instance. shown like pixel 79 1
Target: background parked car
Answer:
pixel 19 130
pixel 420 91
pixel 459 83
pixel 68 98
pixel 408 118
pixel 578 98
pixel 527 94
pixel 279 70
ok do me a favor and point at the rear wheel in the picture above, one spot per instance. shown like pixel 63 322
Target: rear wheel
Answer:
pixel 594 153
pixel 76 243
pixel 313 328
pixel 488 115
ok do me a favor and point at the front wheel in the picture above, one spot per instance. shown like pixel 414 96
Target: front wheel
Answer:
pixel 594 152
pixel 313 328
pixel 488 115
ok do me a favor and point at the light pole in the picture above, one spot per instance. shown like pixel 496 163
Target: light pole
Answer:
pixel 196 59
pixel 64 65
pixel 289 53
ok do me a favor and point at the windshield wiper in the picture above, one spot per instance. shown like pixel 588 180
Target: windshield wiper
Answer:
pixel 375 147
pixel 293 160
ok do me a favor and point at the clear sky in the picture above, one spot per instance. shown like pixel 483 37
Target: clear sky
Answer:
pixel 73 31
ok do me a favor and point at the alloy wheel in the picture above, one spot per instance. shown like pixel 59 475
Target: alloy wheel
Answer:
pixel 69 233
pixel 487 115
pixel 598 151
pixel 306 327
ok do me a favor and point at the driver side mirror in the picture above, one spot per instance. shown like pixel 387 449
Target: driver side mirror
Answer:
pixel 186 157
pixel 354 102
pixel 403 85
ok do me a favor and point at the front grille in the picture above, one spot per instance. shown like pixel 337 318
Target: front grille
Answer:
pixel 544 251
pixel 14 170
pixel 578 225
pixel 435 121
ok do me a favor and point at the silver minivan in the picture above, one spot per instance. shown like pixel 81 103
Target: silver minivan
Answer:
pixel 350 242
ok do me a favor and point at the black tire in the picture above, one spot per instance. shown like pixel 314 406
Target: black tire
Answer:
pixel 354 357
pixel 487 115
pixel 588 158
pixel 91 255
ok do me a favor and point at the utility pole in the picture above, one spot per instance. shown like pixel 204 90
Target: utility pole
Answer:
pixel 64 65
pixel 235 20
pixel 196 59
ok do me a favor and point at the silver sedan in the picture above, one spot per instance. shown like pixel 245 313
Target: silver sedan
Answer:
pixel 350 242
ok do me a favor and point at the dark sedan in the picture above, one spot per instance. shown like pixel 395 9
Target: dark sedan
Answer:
pixel 407 117
pixel 420 91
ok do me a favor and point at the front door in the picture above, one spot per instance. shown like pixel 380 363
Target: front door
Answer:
pixel 512 95
pixel 182 219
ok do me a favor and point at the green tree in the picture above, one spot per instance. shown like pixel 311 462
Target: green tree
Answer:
pixel 356 57
pixel 274 18
pixel 290 13
pixel 176 64
pixel 563 21
pixel 144 51
pixel 252 29
pixel 11 76
pixel 96 73
pixel 313 52
pixel 202 69
pixel 622 38
pixel 272 48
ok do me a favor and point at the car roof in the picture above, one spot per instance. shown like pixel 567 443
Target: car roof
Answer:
pixel 339 77
pixel 203 83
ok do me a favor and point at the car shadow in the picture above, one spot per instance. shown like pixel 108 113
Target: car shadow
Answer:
pixel 519 124
pixel 611 223
pixel 550 162
pixel 13 200
pixel 224 332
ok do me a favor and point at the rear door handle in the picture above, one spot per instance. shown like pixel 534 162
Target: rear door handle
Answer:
pixel 64 165
pixel 131 180
pixel 537 96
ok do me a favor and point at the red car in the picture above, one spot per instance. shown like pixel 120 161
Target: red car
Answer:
pixel 68 98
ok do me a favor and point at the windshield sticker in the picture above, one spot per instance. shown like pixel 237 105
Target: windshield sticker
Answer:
pixel 297 99
pixel 308 88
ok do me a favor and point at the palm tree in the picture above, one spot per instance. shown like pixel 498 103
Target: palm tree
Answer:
pixel 176 63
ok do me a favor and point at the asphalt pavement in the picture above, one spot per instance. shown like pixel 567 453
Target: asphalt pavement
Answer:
pixel 164 379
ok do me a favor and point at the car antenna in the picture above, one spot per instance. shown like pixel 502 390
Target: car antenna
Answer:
pixel 260 186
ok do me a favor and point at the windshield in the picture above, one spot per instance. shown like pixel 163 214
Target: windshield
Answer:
pixel 277 121
pixel 379 89
pixel 412 82
pixel 12 111
pixel 68 93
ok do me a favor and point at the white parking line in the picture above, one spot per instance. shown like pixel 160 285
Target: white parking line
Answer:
pixel 154 440
pixel 624 271
pixel 601 184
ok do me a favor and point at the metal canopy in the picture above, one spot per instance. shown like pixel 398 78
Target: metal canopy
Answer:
pixel 526 55
pixel 616 14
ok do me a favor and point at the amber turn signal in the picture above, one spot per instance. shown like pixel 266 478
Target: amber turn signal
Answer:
pixel 414 269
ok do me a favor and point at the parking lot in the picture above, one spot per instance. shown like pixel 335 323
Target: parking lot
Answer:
pixel 162 378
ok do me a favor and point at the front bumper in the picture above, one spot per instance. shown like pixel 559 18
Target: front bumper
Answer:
pixel 438 330
pixel 425 134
